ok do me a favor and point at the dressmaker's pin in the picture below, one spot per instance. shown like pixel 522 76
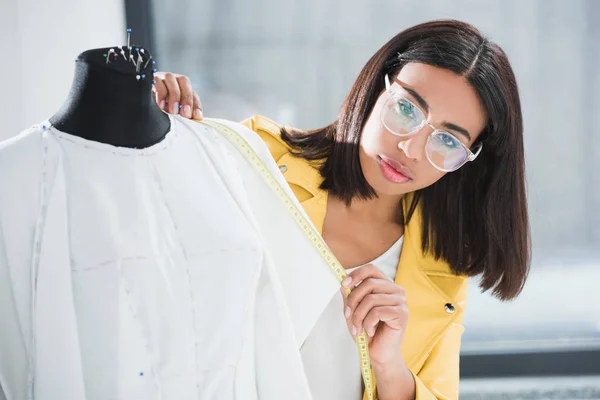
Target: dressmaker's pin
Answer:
pixel 129 40
pixel 110 52
pixel 147 61
pixel 123 54
pixel 137 63
pixel 141 55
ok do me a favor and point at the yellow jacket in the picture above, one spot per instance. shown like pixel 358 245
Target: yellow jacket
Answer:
pixel 435 296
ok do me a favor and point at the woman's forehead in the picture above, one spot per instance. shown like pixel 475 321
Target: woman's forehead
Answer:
pixel 449 96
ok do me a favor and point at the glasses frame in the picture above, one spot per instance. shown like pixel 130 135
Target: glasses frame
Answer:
pixel 470 155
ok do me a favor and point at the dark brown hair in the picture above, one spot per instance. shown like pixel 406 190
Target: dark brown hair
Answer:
pixel 474 218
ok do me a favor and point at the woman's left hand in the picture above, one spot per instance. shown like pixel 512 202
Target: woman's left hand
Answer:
pixel 378 306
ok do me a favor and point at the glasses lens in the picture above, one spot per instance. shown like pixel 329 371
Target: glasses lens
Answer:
pixel 445 151
pixel 401 117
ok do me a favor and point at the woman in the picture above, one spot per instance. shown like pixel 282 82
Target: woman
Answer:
pixel 420 182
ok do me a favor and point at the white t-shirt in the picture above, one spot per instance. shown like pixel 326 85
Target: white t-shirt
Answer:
pixel 329 353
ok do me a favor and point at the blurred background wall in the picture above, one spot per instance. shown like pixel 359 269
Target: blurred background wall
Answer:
pixel 40 41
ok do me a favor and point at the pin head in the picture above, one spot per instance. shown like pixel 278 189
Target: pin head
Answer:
pixel 137 77
pixel 129 30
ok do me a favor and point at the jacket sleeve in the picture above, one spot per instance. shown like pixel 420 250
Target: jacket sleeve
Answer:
pixel 439 376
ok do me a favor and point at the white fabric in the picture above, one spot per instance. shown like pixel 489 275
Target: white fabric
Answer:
pixel 329 354
pixel 171 272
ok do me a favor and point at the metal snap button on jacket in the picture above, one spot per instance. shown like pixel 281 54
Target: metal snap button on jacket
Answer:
pixel 449 308
pixel 283 168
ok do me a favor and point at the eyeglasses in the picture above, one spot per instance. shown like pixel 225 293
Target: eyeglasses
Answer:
pixel 403 118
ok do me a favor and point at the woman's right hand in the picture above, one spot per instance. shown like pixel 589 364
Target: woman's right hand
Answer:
pixel 174 94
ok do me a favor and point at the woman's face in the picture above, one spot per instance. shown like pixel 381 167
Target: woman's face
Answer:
pixel 395 165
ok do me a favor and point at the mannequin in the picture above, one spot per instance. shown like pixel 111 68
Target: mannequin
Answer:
pixel 108 104
pixel 143 257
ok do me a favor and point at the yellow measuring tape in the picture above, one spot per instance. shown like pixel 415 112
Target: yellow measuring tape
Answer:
pixel 310 232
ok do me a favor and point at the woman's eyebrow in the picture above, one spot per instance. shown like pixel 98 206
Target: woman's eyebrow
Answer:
pixel 417 97
pixel 459 129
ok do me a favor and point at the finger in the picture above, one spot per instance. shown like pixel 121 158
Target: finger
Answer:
pixel 362 273
pixel 174 96
pixel 369 286
pixel 373 301
pixel 198 112
pixel 396 317
pixel 347 311
pixel 187 95
pixel 160 92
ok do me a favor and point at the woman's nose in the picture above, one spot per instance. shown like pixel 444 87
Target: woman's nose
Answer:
pixel 414 146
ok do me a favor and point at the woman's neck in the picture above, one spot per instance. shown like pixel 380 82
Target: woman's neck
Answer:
pixel 108 103
pixel 380 210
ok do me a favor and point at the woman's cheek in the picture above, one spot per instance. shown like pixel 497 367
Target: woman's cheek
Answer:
pixel 428 176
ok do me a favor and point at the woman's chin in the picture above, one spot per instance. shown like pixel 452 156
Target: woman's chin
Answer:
pixel 385 188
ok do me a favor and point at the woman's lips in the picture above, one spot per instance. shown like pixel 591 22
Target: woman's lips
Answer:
pixel 394 171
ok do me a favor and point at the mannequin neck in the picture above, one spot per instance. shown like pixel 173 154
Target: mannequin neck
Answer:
pixel 108 104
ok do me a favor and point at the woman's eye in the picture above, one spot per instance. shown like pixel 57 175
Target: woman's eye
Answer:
pixel 405 108
pixel 449 141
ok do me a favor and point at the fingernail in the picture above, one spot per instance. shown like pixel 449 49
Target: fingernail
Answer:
pixel 162 105
pixel 354 330
pixel 371 332
pixel 175 108
pixel 348 312
pixel 187 111
pixel 346 283
pixel 197 114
